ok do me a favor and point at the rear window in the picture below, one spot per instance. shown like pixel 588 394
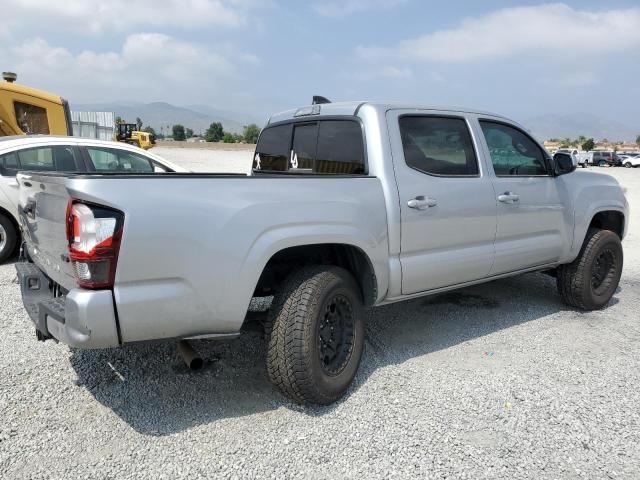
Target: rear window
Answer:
pixel 340 148
pixel 325 147
pixel 272 151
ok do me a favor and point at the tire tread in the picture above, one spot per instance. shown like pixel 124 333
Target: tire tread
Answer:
pixel 288 359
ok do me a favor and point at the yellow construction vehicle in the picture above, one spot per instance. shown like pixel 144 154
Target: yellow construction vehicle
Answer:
pixel 25 110
pixel 129 133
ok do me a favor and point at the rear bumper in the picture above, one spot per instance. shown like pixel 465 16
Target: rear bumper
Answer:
pixel 81 318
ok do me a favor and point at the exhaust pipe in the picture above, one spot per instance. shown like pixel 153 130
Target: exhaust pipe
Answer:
pixel 190 357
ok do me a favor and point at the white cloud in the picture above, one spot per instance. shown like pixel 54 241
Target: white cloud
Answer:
pixel 552 30
pixel 390 71
pixel 120 15
pixel 348 7
pixel 148 66
pixel 583 78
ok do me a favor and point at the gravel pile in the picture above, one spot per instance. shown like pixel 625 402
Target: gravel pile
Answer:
pixel 496 381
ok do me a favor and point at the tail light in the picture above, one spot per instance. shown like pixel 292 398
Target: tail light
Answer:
pixel 94 235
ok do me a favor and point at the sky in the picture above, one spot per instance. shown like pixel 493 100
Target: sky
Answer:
pixel 519 59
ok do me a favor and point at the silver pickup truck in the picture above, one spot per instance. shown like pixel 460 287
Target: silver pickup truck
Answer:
pixel 348 205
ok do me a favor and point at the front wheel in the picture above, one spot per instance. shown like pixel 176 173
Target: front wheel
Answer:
pixel 590 281
pixel 317 334
pixel 8 238
pixel 628 164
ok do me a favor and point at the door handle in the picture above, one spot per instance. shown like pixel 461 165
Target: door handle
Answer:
pixel 422 203
pixel 508 197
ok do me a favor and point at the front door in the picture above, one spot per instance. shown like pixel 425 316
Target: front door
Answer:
pixel 531 214
pixel 447 204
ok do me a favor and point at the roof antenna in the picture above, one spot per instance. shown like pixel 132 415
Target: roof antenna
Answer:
pixel 319 100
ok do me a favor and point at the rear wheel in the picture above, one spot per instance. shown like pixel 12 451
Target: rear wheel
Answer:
pixel 8 238
pixel 590 281
pixel 602 163
pixel 317 335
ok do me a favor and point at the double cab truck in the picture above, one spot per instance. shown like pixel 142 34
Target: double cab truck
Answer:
pixel 347 206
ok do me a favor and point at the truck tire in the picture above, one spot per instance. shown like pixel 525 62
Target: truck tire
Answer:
pixel 8 238
pixel 316 334
pixel 589 282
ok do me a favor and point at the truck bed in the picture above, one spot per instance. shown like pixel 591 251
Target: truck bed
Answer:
pixel 194 245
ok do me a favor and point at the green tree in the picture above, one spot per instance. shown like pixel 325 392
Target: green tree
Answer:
pixel 119 120
pixel 588 145
pixel 189 132
pixel 229 138
pixel 214 133
pixel 139 123
pixel 150 130
pixel 178 133
pixel 250 133
pixel 638 140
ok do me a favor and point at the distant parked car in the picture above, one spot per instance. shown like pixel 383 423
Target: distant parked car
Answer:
pixel 62 154
pixel 631 161
pixel 603 159
pixel 575 156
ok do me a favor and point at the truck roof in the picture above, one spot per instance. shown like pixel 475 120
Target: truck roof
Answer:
pixel 352 107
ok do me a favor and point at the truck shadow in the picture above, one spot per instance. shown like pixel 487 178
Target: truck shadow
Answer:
pixel 149 388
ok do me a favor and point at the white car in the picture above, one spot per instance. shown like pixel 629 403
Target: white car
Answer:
pixel 575 156
pixel 630 161
pixel 64 154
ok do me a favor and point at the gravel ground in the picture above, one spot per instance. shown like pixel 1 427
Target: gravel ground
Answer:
pixel 208 160
pixel 496 381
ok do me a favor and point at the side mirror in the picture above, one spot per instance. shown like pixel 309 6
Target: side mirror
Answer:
pixel 564 163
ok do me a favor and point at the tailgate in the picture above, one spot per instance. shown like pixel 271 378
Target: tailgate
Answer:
pixel 42 212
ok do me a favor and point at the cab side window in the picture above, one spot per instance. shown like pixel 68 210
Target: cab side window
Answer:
pixel 438 145
pixel 512 152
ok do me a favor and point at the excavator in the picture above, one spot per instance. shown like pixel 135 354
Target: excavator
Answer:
pixel 27 111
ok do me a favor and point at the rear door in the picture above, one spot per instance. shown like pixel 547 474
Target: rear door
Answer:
pixel 447 205
pixel 531 227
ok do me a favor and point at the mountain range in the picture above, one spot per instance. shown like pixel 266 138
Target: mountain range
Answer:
pixel 161 115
